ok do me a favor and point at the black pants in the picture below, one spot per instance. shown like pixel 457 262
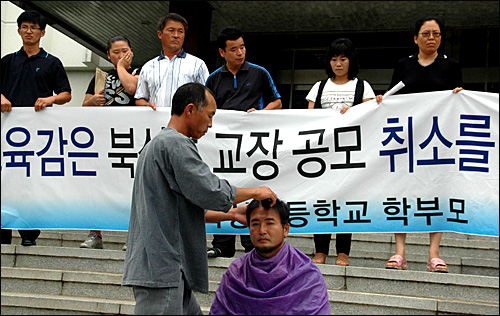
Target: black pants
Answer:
pixel 6 236
pixel 31 234
pixel 342 243
pixel 227 244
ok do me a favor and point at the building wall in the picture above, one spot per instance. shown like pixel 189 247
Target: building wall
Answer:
pixel 79 62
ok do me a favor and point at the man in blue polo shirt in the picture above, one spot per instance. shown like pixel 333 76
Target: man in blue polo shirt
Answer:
pixel 30 77
pixel 242 86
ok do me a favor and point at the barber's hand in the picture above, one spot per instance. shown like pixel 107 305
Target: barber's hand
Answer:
pixel 97 99
pixel 379 98
pixel 126 60
pixel 265 193
pixel 251 110
pixel 6 105
pixel 457 89
pixel 152 105
pixel 42 103
pixel 240 214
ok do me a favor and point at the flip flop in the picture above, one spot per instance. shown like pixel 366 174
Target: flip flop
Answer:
pixel 437 265
pixel 396 262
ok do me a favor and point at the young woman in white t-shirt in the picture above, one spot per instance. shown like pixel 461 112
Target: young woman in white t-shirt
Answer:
pixel 341 65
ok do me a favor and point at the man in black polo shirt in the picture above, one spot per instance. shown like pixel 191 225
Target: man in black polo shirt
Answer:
pixel 30 77
pixel 242 86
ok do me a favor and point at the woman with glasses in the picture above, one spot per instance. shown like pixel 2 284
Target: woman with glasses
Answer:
pixel 428 70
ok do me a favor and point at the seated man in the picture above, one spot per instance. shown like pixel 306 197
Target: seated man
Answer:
pixel 274 278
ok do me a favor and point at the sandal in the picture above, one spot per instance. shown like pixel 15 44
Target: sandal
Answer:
pixel 396 262
pixel 437 265
pixel 342 260
pixel 319 258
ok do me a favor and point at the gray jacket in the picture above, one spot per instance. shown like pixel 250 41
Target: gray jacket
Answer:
pixel 167 236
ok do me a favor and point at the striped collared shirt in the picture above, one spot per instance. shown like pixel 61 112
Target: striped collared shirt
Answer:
pixel 160 77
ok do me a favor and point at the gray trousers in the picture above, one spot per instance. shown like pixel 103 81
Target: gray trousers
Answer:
pixel 166 301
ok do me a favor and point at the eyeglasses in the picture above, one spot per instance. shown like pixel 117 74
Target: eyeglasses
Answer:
pixel 31 28
pixel 427 34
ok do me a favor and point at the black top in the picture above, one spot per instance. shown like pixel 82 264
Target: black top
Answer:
pixel 24 79
pixel 442 74
pixel 114 92
pixel 252 87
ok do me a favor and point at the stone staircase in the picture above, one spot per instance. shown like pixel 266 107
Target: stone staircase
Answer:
pixel 57 277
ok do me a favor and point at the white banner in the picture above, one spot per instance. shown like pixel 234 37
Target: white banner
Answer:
pixel 415 163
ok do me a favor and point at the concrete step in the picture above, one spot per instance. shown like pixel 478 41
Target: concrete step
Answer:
pixel 32 291
pixel 16 303
pixel 49 257
pixel 452 244
pixel 65 282
pixel 354 296
pixel 97 260
pixel 413 283
pixel 112 240
pixel 417 262
pixel 468 245
pixel 345 302
pixel 464 254
pixel 341 302
pixel 359 303
pixel 74 273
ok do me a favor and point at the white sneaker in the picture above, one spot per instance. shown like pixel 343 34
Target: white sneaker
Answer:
pixel 93 241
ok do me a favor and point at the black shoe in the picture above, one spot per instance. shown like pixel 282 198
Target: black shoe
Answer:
pixel 214 253
pixel 28 242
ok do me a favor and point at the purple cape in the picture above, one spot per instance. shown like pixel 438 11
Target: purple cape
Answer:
pixel 286 284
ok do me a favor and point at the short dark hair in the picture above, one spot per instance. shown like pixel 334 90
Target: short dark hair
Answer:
pixel 229 33
pixel 421 21
pixel 172 16
pixel 192 92
pixel 280 206
pixel 32 17
pixel 117 38
pixel 339 47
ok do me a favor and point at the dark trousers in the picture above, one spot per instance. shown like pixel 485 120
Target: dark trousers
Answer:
pixel 31 234
pixel 342 243
pixel 6 236
pixel 227 244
